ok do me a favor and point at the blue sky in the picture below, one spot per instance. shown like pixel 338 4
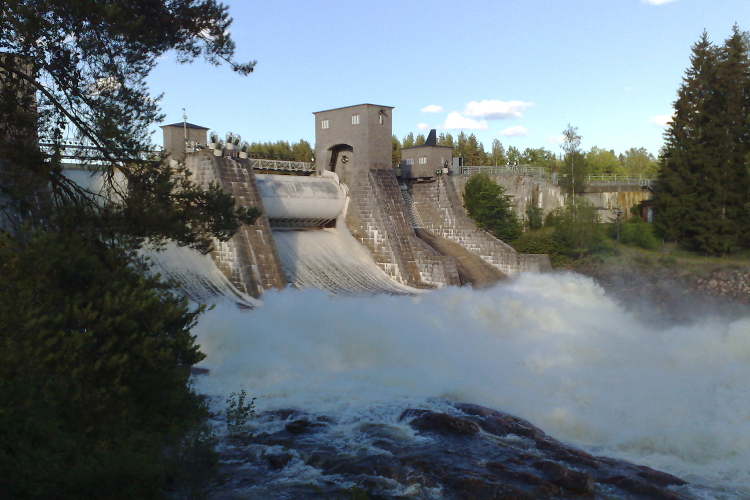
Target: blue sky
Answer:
pixel 516 71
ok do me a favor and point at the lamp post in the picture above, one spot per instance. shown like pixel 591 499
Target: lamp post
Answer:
pixel 618 213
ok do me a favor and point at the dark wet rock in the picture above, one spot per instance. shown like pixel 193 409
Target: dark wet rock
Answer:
pixel 659 478
pixel 569 479
pixel 298 426
pixel 471 453
pixel 430 421
pixel 278 460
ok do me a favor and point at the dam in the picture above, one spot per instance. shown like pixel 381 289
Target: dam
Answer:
pixel 349 223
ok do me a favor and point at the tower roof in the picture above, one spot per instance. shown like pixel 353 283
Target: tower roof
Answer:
pixel 183 124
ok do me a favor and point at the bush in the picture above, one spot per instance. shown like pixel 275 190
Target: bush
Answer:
pixel 488 205
pixel 534 217
pixel 578 231
pixel 537 243
pixel 636 233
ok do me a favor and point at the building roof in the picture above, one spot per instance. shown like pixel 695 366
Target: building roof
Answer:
pixel 427 146
pixel 354 106
pixel 183 124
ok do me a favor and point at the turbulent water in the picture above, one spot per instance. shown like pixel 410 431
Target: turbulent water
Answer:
pixel 549 348
pixel 331 259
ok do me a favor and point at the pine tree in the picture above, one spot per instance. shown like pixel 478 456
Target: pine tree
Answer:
pixel 703 180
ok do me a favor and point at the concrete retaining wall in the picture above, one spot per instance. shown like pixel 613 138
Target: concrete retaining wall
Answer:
pixel 526 188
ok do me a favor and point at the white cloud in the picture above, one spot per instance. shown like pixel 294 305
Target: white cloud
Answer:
pixel 422 126
pixel 432 108
pixel 456 121
pixel 556 139
pixel 660 120
pixel 514 132
pixel 657 2
pixel 496 110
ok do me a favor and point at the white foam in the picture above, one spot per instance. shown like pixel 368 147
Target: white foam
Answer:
pixel 550 348
pixel 331 259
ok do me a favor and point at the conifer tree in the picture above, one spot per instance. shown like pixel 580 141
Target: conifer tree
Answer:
pixel 703 180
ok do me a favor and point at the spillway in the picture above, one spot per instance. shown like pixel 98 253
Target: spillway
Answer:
pixel 196 275
pixel 331 259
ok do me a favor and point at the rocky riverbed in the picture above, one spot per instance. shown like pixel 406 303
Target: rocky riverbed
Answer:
pixel 666 290
pixel 467 452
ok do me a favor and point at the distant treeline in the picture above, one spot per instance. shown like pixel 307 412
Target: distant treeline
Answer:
pixel 282 150
pixel 634 161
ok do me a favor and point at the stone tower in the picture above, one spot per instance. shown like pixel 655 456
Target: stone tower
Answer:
pixel 177 135
pixel 353 139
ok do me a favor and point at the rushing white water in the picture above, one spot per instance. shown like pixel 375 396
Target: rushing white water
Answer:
pixel 331 259
pixel 196 275
pixel 549 348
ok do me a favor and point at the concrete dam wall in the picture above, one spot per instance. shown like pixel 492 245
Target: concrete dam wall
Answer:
pixel 317 231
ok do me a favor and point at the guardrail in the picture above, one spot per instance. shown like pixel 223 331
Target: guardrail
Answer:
pixel 633 180
pixel 287 166
pixel 505 169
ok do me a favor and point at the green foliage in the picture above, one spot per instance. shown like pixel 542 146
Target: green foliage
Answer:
pixel 602 161
pixel 534 217
pixel 470 149
pixel 395 151
pixel 539 157
pixel 577 228
pixel 488 205
pixel 90 62
pixel 638 161
pixel 637 233
pixel 238 413
pixel 93 372
pixel 554 217
pixel 497 154
pixel 574 169
pixel 192 465
pixel 541 243
pixel 514 156
pixel 281 150
pixel 704 184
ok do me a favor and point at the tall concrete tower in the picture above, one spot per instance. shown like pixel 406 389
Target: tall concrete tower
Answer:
pixel 354 138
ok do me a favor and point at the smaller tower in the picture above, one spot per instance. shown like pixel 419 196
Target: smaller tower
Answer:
pixel 177 135
pixel 424 161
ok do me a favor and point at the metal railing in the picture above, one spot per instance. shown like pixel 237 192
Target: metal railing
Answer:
pixel 282 165
pixel 620 179
pixel 505 169
pixel 631 180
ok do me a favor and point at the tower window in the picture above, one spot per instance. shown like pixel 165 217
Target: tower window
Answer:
pixel 324 124
pixel 423 160
pixel 355 120
pixel 409 161
pixel 380 119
